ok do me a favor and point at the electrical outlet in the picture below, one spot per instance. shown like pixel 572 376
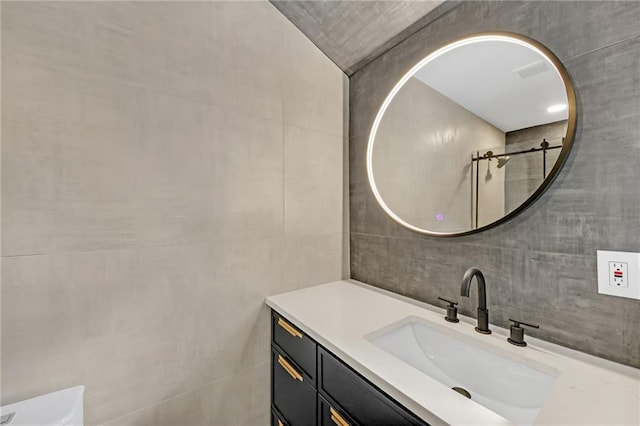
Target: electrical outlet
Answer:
pixel 619 274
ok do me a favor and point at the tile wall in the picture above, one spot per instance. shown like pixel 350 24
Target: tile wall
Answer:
pixel 165 167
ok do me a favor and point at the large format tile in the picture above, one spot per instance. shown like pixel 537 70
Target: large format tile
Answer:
pixel 242 400
pixel 313 260
pixel 180 50
pixel 313 89
pixel 425 270
pixel 167 46
pixel 125 323
pixel 184 409
pixel 248 178
pixel 90 164
pixel 143 202
pixel 232 312
pixel 313 182
pixel 574 314
pixel 239 400
pixel 137 326
pixel 56 33
pixel 253 58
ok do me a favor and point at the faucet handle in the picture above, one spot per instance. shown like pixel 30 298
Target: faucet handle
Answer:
pixel 517 332
pixel 452 311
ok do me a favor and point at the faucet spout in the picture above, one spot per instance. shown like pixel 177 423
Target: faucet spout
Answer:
pixel 482 286
pixel 483 312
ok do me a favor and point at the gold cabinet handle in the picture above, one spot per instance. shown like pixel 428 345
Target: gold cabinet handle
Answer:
pixel 292 331
pixel 337 418
pixel 289 369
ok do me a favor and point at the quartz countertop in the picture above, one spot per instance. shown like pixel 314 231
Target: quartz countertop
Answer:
pixel 338 315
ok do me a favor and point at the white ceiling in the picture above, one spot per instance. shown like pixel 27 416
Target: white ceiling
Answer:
pixel 481 78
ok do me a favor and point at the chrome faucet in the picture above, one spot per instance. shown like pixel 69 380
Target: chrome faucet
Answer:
pixel 483 312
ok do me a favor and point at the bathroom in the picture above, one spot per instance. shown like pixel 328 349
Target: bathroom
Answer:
pixel 169 166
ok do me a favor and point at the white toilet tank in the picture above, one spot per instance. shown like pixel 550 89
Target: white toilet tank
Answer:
pixel 61 408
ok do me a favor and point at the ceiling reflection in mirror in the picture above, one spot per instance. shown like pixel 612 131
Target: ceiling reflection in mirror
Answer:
pixel 471 135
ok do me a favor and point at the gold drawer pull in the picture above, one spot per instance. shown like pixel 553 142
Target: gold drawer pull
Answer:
pixel 337 418
pixel 280 423
pixel 292 371
pixel 292 331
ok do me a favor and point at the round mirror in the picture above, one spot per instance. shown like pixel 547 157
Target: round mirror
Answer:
pixel 471 135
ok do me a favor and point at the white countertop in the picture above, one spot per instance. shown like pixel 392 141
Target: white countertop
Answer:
pixel 338 315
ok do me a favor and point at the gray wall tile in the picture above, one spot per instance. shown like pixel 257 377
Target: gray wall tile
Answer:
pixel 540 265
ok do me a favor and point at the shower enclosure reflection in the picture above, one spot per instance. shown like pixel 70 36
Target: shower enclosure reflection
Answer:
pixel 527 157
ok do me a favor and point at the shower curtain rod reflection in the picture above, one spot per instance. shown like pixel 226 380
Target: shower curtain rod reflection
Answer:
pixel 544 146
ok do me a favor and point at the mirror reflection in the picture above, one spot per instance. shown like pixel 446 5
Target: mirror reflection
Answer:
pixel 471 134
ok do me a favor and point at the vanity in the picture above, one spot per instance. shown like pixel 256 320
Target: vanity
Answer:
pixel 468 138
pixel 345 353
pixel 307 378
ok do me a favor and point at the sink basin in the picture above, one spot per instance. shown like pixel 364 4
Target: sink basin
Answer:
pixel 508 386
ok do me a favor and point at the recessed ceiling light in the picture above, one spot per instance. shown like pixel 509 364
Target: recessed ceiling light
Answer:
pixel 557 108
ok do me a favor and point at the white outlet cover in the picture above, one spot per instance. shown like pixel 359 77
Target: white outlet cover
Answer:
pixel 632 261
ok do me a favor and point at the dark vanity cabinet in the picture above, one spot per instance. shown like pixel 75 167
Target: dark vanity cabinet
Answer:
pixel 293 374
pixel 310 386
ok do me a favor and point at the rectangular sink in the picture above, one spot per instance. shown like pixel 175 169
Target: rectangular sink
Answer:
pixel 509 387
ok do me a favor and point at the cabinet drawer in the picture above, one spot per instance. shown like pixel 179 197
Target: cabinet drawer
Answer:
pixel 276 419
pixel 293 398
pixel 297 345
pixel 330 415
pixel 364 402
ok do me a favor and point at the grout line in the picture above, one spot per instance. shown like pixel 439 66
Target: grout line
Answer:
pixel 183 244
pixel 110 249
pixel 284 126
pixel 100 75
pixel 615 43
pixel 146 407
pixel 526 250
pixel 142 247
pixel 184 393
pixel 323 132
